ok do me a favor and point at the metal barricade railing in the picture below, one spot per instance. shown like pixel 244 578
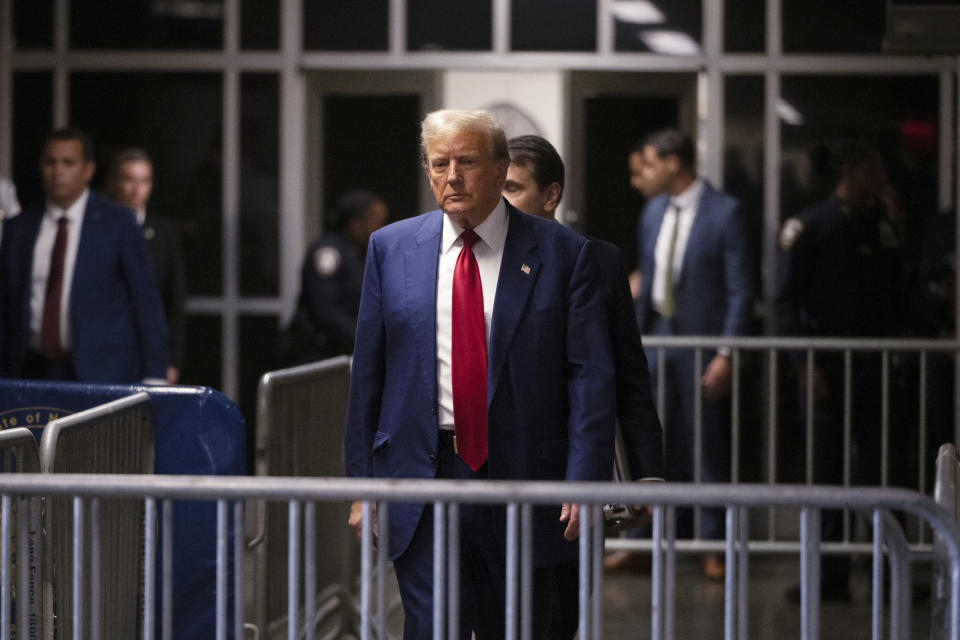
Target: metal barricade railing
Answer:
pixel 300 417
pixel 19 453
pixel 946 493
pixel 911 360
pixel 113 438
pixel 891 612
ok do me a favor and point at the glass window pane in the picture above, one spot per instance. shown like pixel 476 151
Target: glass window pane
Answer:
pixel 546 25
pixel 433 25
pixel 146 24
pixel 745 25
pixel 33 118
pixel 202 351
pixel 259 183
pixel 33 24
pixel 176 117
pixel 358 25
pixel 743 152
pixel 672 28
pixel 360 132
pixel 614 123
pixel 898 113
pixel 260 24
pixel 262 331
pixel 829 26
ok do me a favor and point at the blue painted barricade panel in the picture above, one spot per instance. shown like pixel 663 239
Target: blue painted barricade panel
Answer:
pixel 199 431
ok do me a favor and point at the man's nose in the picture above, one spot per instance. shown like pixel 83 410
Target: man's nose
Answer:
pixel 453 172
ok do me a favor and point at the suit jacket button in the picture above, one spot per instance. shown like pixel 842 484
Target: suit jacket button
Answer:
pixel 433 458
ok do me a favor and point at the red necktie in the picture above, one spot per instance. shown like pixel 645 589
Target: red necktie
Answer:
pixel 469 357
pixel 50 329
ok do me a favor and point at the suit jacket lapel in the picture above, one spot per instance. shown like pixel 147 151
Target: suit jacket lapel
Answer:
pixel 420 283
pixel 86 247
pixel 518 274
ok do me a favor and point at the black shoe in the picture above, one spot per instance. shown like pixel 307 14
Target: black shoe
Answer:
pixel 828 593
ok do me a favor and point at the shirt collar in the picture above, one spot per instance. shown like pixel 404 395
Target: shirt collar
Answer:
pixel 141 216
pixel 688 198
pixel 74 212
pixel 492 231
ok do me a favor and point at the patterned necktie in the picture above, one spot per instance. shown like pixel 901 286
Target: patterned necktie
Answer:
pixel 469 357
pixel 668 309
pixel 50 327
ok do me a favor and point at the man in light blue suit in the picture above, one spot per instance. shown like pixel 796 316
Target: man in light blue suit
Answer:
pixel 544 377
pixel 695 270
pixel 77 297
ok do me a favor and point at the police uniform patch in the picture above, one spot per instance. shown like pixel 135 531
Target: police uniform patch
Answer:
pixel 789 233
pixel 326 260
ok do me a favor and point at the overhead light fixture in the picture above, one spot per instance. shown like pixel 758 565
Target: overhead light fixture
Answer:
pixel 189 9
pixel 788 113
pixel 671 43
pixel 637 12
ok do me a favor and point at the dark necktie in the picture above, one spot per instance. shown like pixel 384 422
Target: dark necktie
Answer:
pixel 50 328
pixel 469 357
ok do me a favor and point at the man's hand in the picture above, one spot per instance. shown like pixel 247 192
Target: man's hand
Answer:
pixel 356 520
pixel 644 511
pixel 821 390
pixel 716 379
pixel 636 284
pixel 173 375
pixel 570 513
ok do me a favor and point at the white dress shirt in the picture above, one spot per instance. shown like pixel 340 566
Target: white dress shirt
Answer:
pixel 681 210
pixel 489 254
pixel 42 253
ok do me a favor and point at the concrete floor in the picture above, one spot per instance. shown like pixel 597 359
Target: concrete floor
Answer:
pixel 699 605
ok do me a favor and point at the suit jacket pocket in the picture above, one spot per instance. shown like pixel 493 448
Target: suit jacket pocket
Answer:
pixel 552 459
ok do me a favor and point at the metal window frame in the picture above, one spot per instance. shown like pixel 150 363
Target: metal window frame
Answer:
pixel 291 62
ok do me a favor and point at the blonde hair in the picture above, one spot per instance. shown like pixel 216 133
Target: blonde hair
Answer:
pixel 446 123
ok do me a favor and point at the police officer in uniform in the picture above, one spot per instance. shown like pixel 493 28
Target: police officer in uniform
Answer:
pixel 331 278
pixel 841 274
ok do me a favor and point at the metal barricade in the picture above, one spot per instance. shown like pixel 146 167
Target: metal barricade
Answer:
pixel 113 438
pixel 917 362
pixel 947 494
pixel 19 453
pixel 300 417
pixel 302 494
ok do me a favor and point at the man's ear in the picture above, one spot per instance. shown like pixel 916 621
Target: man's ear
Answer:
pixel 553 192
pixel 90 169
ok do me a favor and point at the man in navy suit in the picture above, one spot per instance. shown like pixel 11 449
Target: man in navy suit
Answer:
pixel 695 271
pixel 536 348
pixel 77 298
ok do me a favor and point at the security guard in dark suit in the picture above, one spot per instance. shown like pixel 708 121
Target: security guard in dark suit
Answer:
pixel 841 274
pixel 130 182
pixel 324 323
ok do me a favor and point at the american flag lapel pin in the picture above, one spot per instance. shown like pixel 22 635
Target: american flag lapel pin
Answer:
pixel 525 268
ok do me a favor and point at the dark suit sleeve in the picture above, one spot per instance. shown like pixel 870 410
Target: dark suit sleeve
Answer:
pixel 738 273
pixel 367 373
pixel 636 412
pixel 590 382
pixel 147 308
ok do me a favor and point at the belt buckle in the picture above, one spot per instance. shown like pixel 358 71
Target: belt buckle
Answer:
pixel 455 444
